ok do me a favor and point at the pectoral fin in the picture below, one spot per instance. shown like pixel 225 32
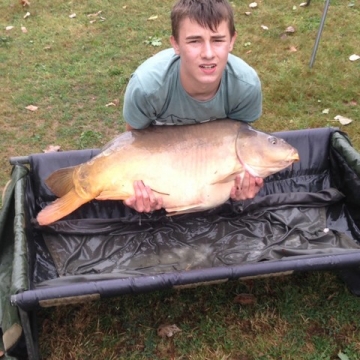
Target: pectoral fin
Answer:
pixel 113 195
pixel 226 179
pixel 119 195
pixel 184 210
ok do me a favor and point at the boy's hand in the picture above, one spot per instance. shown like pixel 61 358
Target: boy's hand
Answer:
pixel 144 199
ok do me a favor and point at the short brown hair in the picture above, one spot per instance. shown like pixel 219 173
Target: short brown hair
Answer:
pixel 207 13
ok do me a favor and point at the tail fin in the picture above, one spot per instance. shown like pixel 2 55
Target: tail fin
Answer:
pixel 60 208
pixel 60 182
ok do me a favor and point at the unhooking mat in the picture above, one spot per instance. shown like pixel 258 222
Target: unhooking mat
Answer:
pixel 300 211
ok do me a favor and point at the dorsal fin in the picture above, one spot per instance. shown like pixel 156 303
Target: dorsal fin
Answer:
pixel 60 182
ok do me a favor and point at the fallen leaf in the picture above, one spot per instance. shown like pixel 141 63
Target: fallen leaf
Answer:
pixel 47 48
pixel 247 13
pixel 303 4
pixel 342 356
pixel 31 107
pixel 8 28
pixel 343 120
pixel 72 16
pixel 249 52
pixel 293 49
pixel 351 103
pixel 294 7
pixel 354 57
pixel 167 330
pixel 247 43
pixel 25 2
pixel 153 41
pixel 264 27
pixel 125 6
pixel 113 103
pixel 253 5
pixel 26 15
pixel 52 148
pixel 245 299
pixel 24 29
pixel 325 111
pixel 290 30
pixel 95 14
pixel 331 296
pixel 154 17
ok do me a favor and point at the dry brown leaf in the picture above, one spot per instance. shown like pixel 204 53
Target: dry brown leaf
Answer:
pixel 113 103
pixel 247 13
pixel 95 14
pixel 245 299
pixel 290 30
pixel 25 2
pixel 354 57
pixel 351 103
pixel 52 148
pixel 293 49
pixel 24 29
pixel 343 120
pixel 167 330
pixel 249 52
pixel 31 107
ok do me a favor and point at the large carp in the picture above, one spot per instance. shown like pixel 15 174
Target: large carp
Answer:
pixel 192 166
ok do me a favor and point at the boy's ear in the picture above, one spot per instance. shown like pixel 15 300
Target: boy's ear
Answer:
pixel 232 41
pixel 175 45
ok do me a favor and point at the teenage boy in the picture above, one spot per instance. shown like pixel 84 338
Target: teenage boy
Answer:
pixel 196 80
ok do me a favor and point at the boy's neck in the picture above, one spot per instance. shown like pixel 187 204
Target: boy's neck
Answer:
pixel 201 92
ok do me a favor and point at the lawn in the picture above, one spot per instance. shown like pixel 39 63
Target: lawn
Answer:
pixel 71 61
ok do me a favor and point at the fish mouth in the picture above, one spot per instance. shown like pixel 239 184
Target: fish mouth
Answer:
pixel 294 157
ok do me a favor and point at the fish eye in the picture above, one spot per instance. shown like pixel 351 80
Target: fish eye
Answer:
pixel 272 140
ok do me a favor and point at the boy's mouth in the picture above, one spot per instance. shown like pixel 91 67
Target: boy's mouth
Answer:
pixel 208 66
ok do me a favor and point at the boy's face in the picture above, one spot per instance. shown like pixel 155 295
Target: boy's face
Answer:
pixel 203 55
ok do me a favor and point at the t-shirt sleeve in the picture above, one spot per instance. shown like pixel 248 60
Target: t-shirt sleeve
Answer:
pixel 249 106
pixel 137 110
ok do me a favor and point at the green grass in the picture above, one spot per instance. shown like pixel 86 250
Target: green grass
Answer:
pixel 71 69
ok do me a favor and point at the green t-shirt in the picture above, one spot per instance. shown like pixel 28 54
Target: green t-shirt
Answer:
pixel 155 96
